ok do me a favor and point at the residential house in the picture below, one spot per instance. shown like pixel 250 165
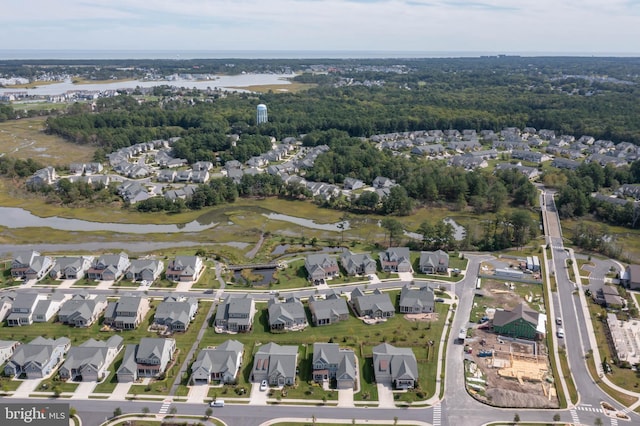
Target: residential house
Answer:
pixel 176 313
pixel 220 364
pixel 382 182
pixel 38 358
pixel 42 177
pixel 276 364
pixel 416 301
pixel 236 313
pixel 353 184
pixel 23 308
pixel 372 305
pixel 632 277
pixel 286 316
pixel 200 176
pixel 70 268
pixel 90 361
pixel 47 308
pixel 109 267
pixel 330 310
pixel 126 313
pixel 202 166
pixel 521 322
pixel 7 347
pixel 468 162
pixel 149 358
pixel 330 362
pixel 6 301
pixel 30 265
pixel 358 264
pixel 395 366
pixel 609 297
pixel 82 310
pixel 428 149
pixel 434 262
pixel 184 176
pixel 166 175
pixel 147 270
pixel 531 156
pixel 184 268
pixel 321 267
pixel 396 259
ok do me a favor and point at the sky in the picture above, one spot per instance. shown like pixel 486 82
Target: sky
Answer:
pixel 488 26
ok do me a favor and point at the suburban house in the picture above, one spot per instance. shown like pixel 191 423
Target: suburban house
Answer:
pixel 395 366
pixel 321 267
pixel 330 362
pixel 358 264
pixel 70 268
pixel 144 270
pixel 149 358
pixel 220 364
pixel 382 182
pixel 126 313
pixel 23 308
pixel 352 183
pixel 521 322
pixel 434 262
pixel 47 308
pixel 7 347
pixel 373 305
pixel 236 313
pixel 330 310
pixel 176 313
pixel 109 267
pixel 416 301
pixel 82 310
pixel 184 268
pixel 6 301
pixel 30 265
pixel 276 364
pixel 396 259
pixel 632 277
pixel 609 297
pixel 90 361
pixel 286 316
pixel 42 177
pixel 38 358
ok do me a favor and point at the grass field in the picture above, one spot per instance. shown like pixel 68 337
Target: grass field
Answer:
pixel 25 138
pixel 293 87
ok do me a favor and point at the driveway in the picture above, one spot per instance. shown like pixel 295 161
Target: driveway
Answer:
pixel 83 390
pixel 121 391
pixel 345 398
pixel 27 387
pixel 257 396
pixel 405 276
pixel 385 396
pixel 197 393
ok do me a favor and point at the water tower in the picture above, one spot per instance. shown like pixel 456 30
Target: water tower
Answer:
pixel 261 116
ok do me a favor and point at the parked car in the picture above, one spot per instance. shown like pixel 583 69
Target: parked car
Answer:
pixel 560 333
pixel 264 385
pixel 217 403
pixel 559 321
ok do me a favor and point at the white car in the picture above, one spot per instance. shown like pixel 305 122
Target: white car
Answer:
pixel 263 385
pixel 560 332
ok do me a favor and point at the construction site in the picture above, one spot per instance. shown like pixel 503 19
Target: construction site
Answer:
pixel 506 358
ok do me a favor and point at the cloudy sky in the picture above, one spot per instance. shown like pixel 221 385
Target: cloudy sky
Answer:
pixel 498 26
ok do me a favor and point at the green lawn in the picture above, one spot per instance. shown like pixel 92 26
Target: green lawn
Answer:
pixel 49 385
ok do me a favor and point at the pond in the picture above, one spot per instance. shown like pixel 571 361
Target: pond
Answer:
pixel 307 223
pixel 14 217
pixel 266 274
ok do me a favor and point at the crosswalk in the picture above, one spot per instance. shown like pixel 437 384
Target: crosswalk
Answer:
pixel 165 407
pixel 437 415
pixel 614 421
pixel 590 408
pixel 574 416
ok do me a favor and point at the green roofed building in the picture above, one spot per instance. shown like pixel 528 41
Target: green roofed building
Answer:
pixel 521 322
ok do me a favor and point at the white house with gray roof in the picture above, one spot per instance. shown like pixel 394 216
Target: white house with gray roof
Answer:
pixel 30 265
pixel 330 362
pixel 7 347
pixel 286 316
pixel 126 313
pixel 147 270
pixel 70 268
pixel 235 314
pixel 321 267
pixel 372 305
pixel 47 308
pixel 395 366
pixel 176 313
pixel 358 264
pixel 396 259
pixel 82 310
pixel 23 308
pixel 220 364
pixel 90 361
pixel 276 364
pixel 184 268
pixel 109 267
pixel 150 358
pixel 330 310
pixel 38 358
pixel 434 262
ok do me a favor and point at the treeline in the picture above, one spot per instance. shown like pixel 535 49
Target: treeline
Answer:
pixel 15 167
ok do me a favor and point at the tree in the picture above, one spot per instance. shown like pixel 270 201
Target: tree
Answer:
pixel 598 421
pixel 516 418
pixel 117 412
pixel 393 227
pixel 556 417
pixel 173 410
pixel 208 412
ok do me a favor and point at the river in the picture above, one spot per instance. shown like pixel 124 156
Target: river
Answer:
pixel 225 82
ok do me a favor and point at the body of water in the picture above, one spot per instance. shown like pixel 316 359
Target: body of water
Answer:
pixel 226 82
pixel 308 223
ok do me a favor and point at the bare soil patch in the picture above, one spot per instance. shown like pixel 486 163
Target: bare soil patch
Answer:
pixel 426 317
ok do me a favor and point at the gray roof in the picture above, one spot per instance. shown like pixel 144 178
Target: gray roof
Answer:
pixel 80 306
pixel 396 253
pixel 39 350
pixel 523 311
pixel 175 311
pixel 278 358
pixel 290 310
pixel 220 359
pixel 325 308
pixel 235 304
pixel 92 352
pixel 373 302
pixel 330 353
pixel 416 297
pixel 24 301
pixel 139 265
pixel 401 362
pixel 129 364
pixel 152 346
